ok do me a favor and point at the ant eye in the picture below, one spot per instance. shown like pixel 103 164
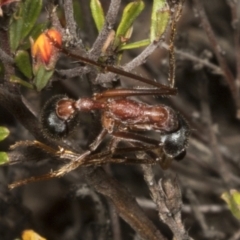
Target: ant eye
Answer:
pixel 58 117
pixel 174 144
pixel 181 155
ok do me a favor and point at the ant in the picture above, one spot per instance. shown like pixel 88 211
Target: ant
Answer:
pixel 118 116
pixel 121 117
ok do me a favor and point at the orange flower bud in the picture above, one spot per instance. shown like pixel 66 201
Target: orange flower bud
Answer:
pixel 44 50
pixel 30 234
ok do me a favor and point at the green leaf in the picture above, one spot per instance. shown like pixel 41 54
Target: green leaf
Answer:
pixel 23 62
pixel 133 45
pixel 4 132
pixel 15 29
pixel 97 13
pixel 130 13
pixel 31 12
pixel 15 79
pixel 22 22
pixel 42 77
pixel 3 158
pixel 159 19
pixel 233 201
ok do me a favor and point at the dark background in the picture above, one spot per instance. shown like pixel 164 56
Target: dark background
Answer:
pixel 56 210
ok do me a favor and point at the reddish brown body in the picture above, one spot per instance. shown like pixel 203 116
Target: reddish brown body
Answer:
pixel 119 115
pixel 124 113
pixel 139 116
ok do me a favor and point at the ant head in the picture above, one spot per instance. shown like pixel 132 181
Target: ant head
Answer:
pixel 175 143
pixel 58 117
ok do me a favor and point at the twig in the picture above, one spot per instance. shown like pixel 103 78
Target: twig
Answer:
pixel 125 204
pixel 13 103
pixel 6 51
pixel 236 35
pixel 141 58
pixel 211 208
pixel 70 21
pixel 176 12
pixel 54 19
pixel 115 221
pixel 74 72
pixel 235 236
pixel 219 161
pixel 217 50
pixel 137 61
pixel 108 26
pixel 4 57
pixel 198 181
pixel 199 215
pixel 167 197
pixel 193 58
pixel 222 168
pixel 137 237
pixel 207 208
pixel 201 219
pixel 102 219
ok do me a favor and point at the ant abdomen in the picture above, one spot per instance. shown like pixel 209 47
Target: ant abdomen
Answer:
pixel 58 117
pixel 175 143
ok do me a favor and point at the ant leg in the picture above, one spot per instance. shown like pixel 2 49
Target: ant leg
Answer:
pixel 134 76
pixel 96 159
pixel 107 157
pixel 120 160
pixel 124 92
pixel 124 150
pixel 104 67
pixel 58 173
pixel 113 144
pixel 75 163
pixel 118 136
pixel 134 137
pixel 138 141
pixel 93 146
pixel 83 160
pixel 76 158
pixel 34 143
pixel 110 149
pixel 61 152
pixel 29 180
pixel 157 154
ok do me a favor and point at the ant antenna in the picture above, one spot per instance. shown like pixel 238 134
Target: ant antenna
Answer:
pixel 107 68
